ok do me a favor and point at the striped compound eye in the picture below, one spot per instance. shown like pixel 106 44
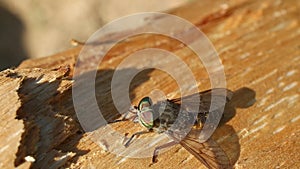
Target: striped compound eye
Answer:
pixel 146 102
pixel 145 112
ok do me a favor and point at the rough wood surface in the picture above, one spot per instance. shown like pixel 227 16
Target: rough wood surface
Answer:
pixel 258 43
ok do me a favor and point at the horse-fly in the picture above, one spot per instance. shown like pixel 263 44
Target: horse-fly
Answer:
pixel 182 125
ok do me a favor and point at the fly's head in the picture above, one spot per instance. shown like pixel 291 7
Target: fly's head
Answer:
pixel 145 112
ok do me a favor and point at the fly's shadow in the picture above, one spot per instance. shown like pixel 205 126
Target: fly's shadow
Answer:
pixel 90 117
pixel 225 135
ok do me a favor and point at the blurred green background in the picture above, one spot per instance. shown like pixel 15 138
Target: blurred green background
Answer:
pixel 37 28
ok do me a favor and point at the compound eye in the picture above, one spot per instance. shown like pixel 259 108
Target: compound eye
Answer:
pixel 146 102
pixel 146 118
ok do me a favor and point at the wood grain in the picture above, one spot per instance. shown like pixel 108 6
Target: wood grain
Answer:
pixel 258 44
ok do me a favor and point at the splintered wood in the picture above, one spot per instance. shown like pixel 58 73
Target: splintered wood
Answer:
pixel 258 44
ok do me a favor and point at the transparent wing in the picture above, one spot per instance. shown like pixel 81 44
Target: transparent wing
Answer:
pixel 209 152
pixel 210 100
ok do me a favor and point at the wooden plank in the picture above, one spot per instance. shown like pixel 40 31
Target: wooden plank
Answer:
pixel 258 44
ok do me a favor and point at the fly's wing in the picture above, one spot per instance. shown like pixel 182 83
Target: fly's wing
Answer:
pixel 209 152
pixel 210 100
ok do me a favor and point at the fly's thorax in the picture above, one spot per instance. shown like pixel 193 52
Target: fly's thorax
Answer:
pixel 172 118
pixel 166 113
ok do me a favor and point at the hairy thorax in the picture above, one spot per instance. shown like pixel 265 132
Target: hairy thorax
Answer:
pixel 169 116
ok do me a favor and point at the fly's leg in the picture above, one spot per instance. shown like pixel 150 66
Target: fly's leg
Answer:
pixel 136 134
pixel 124 118
pixel 132 110
pixel 155 153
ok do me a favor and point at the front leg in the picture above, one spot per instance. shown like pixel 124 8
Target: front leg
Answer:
pixel 131 118
pixel 132 110
pixel 137 134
